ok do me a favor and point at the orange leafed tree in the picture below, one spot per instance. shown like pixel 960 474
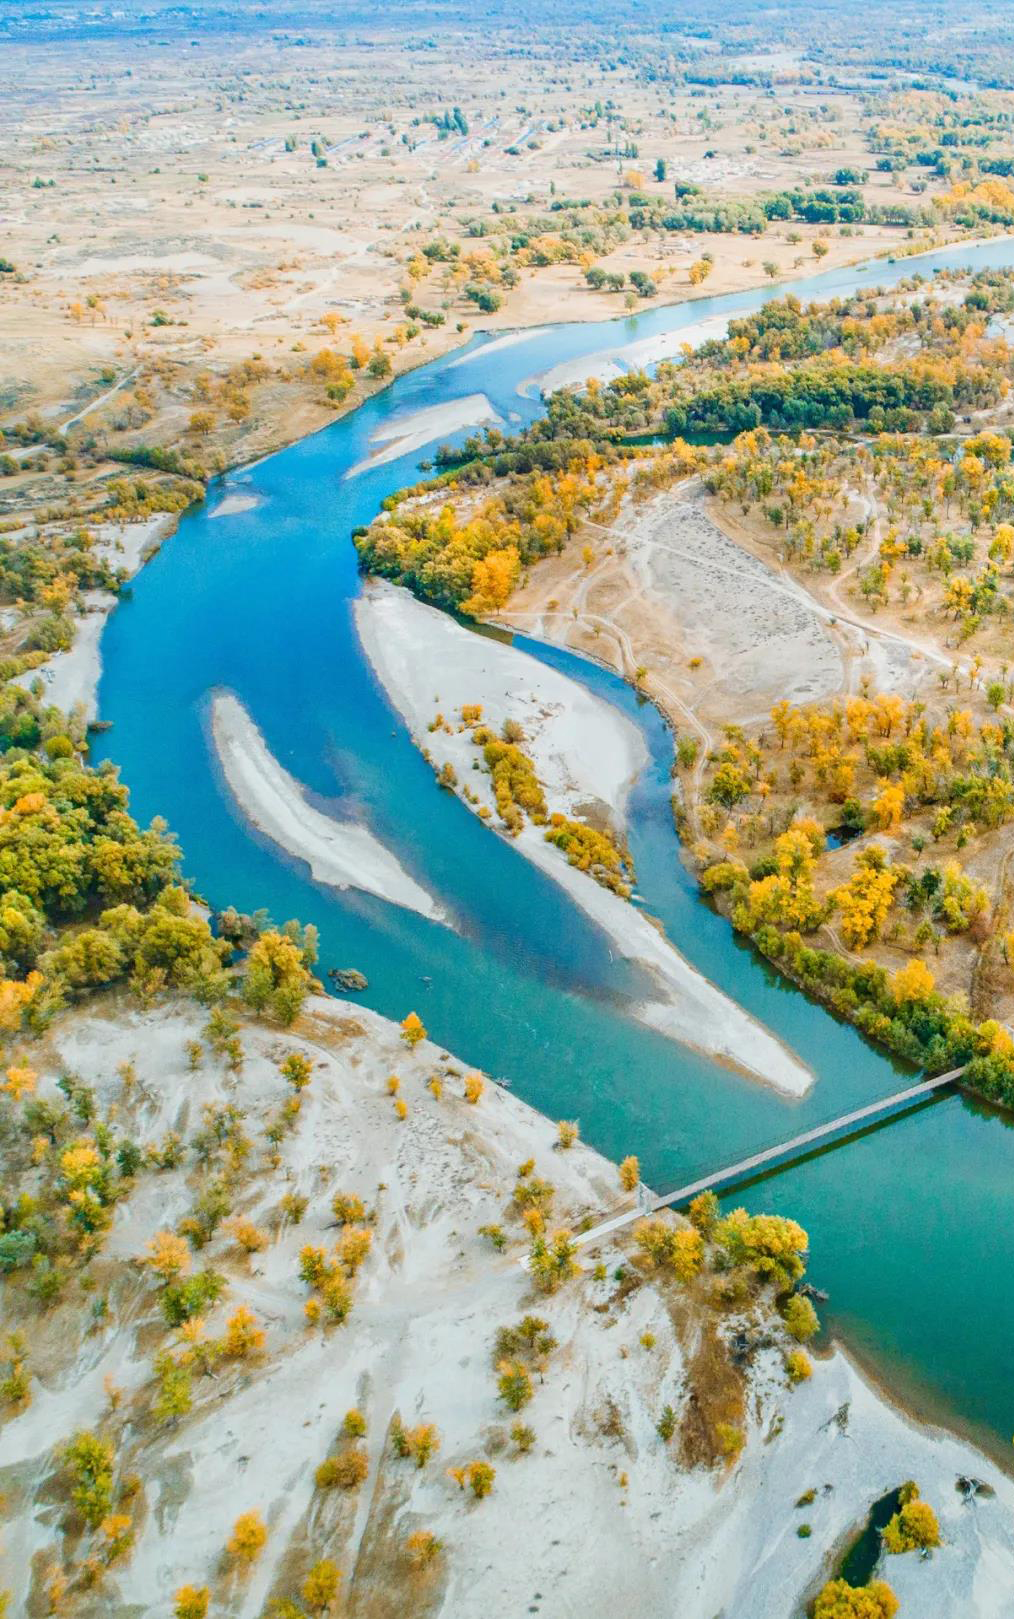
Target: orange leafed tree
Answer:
pixel 493 578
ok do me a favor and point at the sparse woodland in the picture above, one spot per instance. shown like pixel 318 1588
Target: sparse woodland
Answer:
pixel 902 924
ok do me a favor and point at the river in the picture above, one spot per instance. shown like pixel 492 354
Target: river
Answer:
pixel 908 1224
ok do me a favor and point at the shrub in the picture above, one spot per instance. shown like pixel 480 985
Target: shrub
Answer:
pixel 168 1256
pixel 276 979
pixel 89 1461
pixel 567 1132
pixel 243 1336
pixel 768 1244
pixel 800 1318
pixel 514 1385
pixel 347 1208
pixel 296 1070
pixel 676 1248
pixel 248 1237
pixel 17 1248
pixel 117 1536
pixel 175 1395
pixel 523 1437
pixel 552 1261
pixel 412 1029
pixel 630 1173
pixel 798 1366
pixel 191 1602
pixel 321 1585
pixel 476 1476
pixel 346 1471
pixel 423 1547
pixel 730 1439
pixel 420 1443
pixel 666 1425
pixel 913 1526
pixel 248 1538
pixel 839 1600
pixel 704 1212
pixel 183 1300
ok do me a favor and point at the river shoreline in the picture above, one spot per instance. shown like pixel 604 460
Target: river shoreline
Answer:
pixel 586 754
pixel 340 854
pixel 428 359
pixel 516 330
pixel 694 1537
pixel 72 678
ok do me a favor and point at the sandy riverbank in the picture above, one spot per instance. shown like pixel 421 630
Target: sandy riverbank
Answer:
pixel 415 429
pixel 340 854
pixel 607 363
pixel 587 755
pixel 233 504
pixel 656 1532
pixel 72 678
pixel 507 341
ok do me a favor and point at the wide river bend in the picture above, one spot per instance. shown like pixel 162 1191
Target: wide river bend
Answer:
pixel 909 1224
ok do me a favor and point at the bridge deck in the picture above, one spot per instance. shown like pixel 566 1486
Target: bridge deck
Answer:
pixel 757 1160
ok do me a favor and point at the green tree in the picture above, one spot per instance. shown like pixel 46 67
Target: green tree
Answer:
pixel 89 1461
pixel 800 1318
pixel 276 979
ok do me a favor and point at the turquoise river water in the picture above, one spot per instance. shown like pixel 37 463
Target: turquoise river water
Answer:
pixel 908 1223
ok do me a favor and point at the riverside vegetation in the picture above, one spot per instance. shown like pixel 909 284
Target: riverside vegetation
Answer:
pixel 847 465
pixel 92 906
pixel 178 1204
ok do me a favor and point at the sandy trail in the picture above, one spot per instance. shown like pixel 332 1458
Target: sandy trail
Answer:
pixel 340 854
pixel 743 567
pixel 587 755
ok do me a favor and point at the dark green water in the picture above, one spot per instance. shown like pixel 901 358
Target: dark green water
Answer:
pixel 908 1224
pixel 860 1561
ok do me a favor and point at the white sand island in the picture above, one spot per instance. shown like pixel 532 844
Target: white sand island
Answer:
pixel 587 755
pixel 339 854
pixel 417 428
pixel 605 364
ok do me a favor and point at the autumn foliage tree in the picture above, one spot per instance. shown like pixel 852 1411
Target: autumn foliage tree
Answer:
pixel 276 979
pixel 839 1600
pixel 248 1538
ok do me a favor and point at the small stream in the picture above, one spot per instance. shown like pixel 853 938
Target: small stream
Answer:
pixel 907 1223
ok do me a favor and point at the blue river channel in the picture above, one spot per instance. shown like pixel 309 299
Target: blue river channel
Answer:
pixel 908 1224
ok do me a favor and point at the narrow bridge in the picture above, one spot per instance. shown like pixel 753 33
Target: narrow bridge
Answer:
pixel 757 1160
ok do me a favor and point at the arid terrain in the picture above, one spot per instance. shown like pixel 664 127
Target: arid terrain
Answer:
pixel 199 223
